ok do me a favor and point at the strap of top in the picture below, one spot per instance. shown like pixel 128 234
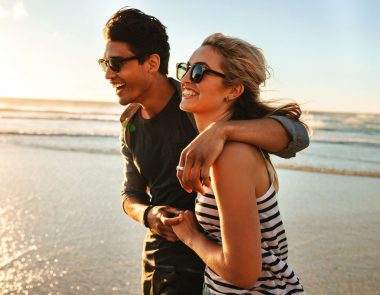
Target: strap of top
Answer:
pixel 270 170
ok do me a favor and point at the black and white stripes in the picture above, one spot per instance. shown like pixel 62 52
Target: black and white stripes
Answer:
pixel 276 276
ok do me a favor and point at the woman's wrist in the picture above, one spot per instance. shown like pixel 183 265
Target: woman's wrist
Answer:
pixel 194 239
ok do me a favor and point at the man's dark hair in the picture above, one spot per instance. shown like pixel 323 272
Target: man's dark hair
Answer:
pixel 144 34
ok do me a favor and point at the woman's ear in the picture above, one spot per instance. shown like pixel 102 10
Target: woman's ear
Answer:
pixel 153 63
pixel 235 91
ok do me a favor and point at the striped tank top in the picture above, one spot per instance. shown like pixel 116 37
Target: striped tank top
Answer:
pixel 276 276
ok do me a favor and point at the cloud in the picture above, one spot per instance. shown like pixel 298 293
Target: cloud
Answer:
pixel 12 9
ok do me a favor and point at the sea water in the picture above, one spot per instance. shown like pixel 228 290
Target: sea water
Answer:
pixel 340 142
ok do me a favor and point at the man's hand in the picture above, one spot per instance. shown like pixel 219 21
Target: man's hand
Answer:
pixel 160 220
pixel 197 158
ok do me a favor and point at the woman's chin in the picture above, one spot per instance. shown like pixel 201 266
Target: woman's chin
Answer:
pixel 186 106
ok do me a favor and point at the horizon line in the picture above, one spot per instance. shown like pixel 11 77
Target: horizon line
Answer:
pixel 83 100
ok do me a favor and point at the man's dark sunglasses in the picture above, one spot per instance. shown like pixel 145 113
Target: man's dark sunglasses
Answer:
pixel 197 71
pixel 115 62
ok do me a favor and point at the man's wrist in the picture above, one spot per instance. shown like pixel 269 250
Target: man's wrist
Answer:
pixel 145 216
pixel 223 129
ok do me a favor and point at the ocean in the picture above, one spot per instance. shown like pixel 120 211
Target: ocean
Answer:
pixel 62 229
pixel 342 143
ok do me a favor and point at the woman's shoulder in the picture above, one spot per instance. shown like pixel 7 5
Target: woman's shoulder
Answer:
pixel 242 163
pixel 238 157
pixel 238 151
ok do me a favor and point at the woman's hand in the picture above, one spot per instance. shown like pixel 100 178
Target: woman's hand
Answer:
pixel 187 227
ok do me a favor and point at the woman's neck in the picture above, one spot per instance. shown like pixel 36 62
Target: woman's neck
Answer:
pixel 203 120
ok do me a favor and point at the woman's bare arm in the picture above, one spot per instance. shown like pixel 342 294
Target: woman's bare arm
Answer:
pixel 236 177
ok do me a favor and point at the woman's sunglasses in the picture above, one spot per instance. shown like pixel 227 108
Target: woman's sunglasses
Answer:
pixel 197 71
pixel 115 63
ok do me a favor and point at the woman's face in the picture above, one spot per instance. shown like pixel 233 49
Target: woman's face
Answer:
pixel 208 95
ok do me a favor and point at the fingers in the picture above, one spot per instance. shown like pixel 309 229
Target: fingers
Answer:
pixel 185 163
pixel 192 179
pixel 168 211
pixel 197 158
pixel 168 234
pixel 205 175
pixel 156 216
pixel 189 177
pixel 169 215
pixel 165 231
pixel 172 220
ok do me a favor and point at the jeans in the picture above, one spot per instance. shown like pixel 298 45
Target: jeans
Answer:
pixel 206 290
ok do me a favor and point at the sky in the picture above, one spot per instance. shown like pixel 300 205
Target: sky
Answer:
pixel 323 54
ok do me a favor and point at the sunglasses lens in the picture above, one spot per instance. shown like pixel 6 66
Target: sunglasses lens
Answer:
pixel 114 64
pixel 181 70
pixel 103 64
pixel 197 73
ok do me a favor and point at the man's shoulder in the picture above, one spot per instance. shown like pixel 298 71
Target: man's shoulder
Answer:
pixel 129 111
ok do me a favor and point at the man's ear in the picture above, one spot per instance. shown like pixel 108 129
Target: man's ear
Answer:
pixel 153 63
pixel 235 91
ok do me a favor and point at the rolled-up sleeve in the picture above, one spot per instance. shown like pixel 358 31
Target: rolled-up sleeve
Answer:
pixel 299 137
pixel 134 184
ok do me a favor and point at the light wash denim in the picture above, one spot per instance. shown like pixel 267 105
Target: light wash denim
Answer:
pixel 206 290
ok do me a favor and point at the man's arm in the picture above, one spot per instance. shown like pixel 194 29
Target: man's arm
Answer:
pixel 134 196
pixel 135 200
pixel 298 137
pixel 277 134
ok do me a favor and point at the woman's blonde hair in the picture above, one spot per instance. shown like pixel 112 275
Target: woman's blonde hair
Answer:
pixel 245 63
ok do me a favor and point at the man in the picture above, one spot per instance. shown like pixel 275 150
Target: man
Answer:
pixel 155 131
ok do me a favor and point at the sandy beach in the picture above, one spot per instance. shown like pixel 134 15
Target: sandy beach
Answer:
pixel 63 231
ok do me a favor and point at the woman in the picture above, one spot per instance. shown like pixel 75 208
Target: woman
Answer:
pixel 241 237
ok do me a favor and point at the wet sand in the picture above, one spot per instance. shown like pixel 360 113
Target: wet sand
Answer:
pixel 62 229
pixel 333 226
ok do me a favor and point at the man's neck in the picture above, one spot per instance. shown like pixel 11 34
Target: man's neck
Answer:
pixel 157 97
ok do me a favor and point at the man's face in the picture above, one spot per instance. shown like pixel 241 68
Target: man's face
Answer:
pixel 130 82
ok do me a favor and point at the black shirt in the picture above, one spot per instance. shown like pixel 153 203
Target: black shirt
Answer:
pixel 155 147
